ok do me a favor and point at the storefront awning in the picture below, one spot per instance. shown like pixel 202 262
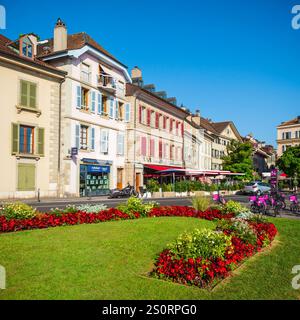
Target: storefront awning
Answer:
pixel 158 167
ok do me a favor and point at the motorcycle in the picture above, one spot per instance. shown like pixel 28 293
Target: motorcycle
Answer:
pixel 126 192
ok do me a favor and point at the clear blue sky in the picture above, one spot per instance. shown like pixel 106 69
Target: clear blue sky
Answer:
pixel 233 59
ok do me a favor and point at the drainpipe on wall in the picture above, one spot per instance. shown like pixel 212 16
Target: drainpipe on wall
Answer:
pixel 59 186
pixel 134 139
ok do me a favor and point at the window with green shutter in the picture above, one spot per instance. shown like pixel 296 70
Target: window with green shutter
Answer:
pixel 26 177
pixel 41 142
pixel 14 138
pixel 28 94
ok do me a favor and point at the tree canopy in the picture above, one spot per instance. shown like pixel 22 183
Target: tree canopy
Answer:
pixel 239 159
pixel 289 162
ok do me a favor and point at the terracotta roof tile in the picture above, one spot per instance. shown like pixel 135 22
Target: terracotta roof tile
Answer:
pixel 4 49
pixel 290 122
pixel 76 41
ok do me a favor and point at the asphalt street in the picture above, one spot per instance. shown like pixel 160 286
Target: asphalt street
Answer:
pixel 47 205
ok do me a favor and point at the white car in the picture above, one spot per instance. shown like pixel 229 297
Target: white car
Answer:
pixel 256 187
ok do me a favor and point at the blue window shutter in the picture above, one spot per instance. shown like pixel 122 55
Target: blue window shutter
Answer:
pixel 100 103
pixel 77 130
pixel 78 97
pixel 92 138
pixel 127 112
pixel 111 108
pixel 116 109
pixel 93 94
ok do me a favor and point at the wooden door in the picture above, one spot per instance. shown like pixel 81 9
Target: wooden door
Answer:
pixel 120 178
pixel 137 181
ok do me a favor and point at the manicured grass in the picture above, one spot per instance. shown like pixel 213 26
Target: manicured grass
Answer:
pixel 111 260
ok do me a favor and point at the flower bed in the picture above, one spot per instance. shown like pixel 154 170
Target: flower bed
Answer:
pixel 53 220
pixel 208 271
pixel 41 221
pixel 180 211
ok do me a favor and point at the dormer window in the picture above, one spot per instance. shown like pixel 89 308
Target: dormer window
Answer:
pixel 26 47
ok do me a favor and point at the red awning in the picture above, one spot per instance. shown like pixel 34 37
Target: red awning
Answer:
pixel 158 167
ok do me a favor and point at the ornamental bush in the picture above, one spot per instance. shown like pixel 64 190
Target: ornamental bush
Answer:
pixel 136 205
pixel 201 203
pixel 17 210
pixel 239 228
pixel 91 208
pixel 203 243
pixel 234 207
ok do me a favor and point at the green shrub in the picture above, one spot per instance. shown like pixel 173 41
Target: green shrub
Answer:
pixel 152 185
pixel 167 187
pixel 134 205
pixel 240 228
pixel 234 207
pixel 203 243
pixel 17 210
pixel 201 203
pixel 68 209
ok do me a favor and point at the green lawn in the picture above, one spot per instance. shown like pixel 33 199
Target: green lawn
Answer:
pixel 110 261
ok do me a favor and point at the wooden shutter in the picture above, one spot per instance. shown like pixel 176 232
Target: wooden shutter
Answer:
pixel 40 141
pixel 32 95
pixel 127 112
pixel 160 147
pixel 92 138
pixel 24 93
pixel 78 97
pixel 140 114
pixel 26 177
pixel 156 120
pixel 148 117
pixel 77 135
pixel 93 99
pixel 100 109
pixel 165 122
pixel 152 147
pixel 182 128
pixel 14 138
pixel 143 146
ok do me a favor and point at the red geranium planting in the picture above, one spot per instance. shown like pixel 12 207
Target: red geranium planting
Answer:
pixel 205 272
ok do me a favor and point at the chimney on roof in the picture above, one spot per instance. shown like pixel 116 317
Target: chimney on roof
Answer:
pixel 60 36
pixel 137 78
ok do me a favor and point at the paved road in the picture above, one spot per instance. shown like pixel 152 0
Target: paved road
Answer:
pixel 45 206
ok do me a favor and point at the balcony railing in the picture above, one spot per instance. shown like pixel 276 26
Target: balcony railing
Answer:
pixel 107 82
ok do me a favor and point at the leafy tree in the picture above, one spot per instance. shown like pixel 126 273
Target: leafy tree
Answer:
pixel 289 162
pixel 239 159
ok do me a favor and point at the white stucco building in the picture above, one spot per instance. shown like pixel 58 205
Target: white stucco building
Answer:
pixel 94 112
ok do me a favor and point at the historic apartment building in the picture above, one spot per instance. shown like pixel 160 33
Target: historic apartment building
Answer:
pixel 29 122
pixel 94 113
pixel 288 135
pixel 155 134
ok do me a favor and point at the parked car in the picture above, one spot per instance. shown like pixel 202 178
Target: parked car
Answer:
pixel 256 187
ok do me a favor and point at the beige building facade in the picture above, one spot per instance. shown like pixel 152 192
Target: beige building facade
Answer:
pixel 29 121
pixel 288 135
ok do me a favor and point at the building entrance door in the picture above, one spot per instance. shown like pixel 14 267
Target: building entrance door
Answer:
pixel 137 181
pixel 120 178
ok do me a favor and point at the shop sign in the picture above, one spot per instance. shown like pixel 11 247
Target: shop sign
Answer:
pixel 98 169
